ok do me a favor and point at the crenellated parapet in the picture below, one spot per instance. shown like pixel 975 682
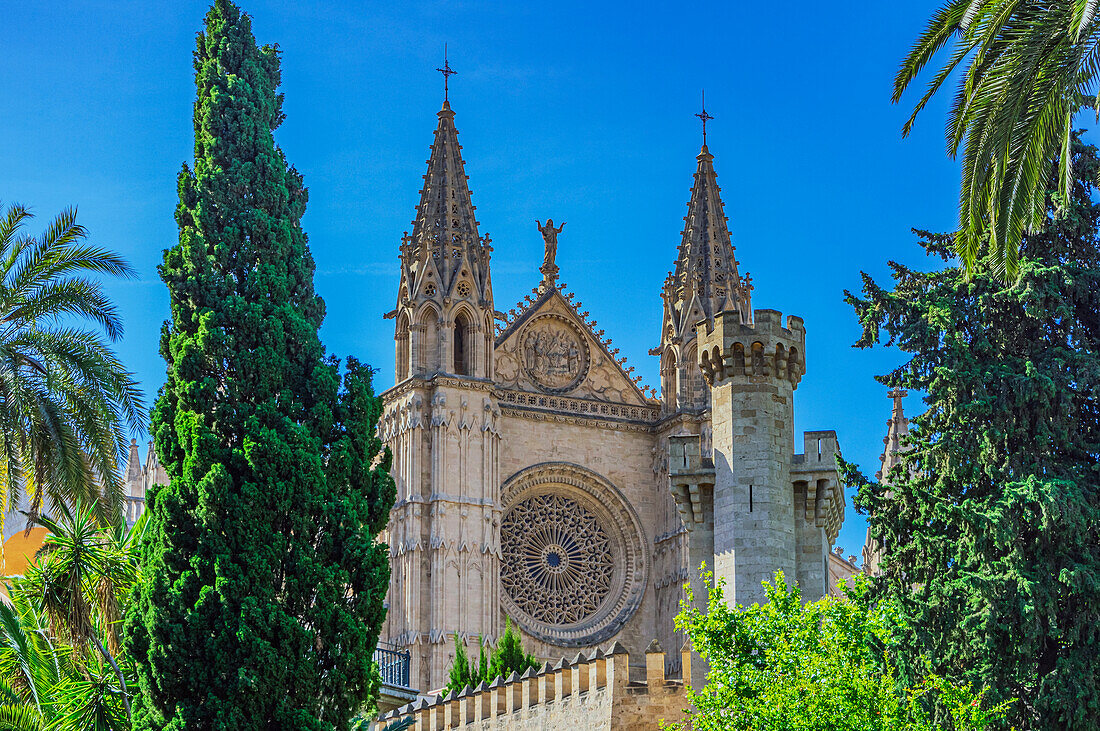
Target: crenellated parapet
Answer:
pixel 764 349
pixel 819 493
pixel 593 691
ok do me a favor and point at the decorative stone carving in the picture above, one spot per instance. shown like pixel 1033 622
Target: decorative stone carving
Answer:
pixel 574 564
pixel 554 354
pixel 561 564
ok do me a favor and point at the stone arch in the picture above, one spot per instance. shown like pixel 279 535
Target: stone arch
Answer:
pixel 546 506
pixel 759 368
pixel 427 351
pixel 737 366
pixel 794 368
pixel 464 342
pixel 401 356
pixel 668 380
pixel 694 391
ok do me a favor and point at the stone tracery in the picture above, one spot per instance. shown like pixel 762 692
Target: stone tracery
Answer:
pixel 562 567
pixel 573 563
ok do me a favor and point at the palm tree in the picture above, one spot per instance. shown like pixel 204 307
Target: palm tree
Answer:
pixel 1026 68
pixel 65 399
pixel 60 663
pixel 80 578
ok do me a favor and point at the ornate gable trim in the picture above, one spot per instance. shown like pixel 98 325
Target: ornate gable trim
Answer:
pixel 550 347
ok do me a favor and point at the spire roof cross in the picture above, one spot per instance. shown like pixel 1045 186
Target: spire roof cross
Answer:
pixel 704 117
pixel 447 72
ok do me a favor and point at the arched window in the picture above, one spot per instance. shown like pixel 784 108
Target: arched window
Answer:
pixel 463 346
pixel 668 381
pixel 427 352
pixel 695 392
pixel 402 348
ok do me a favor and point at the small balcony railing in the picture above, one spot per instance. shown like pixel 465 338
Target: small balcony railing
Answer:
pixel 393 664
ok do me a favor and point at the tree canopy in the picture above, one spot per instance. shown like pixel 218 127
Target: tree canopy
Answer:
pixel 818 665
pixel 1024 69
pixel 991 525
pixel 265 581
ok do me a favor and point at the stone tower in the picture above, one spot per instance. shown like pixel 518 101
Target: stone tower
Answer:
pixel 440 420
pixel 749 505
pixel 704 282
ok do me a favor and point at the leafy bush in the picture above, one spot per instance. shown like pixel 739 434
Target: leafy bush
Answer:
pixel 786 665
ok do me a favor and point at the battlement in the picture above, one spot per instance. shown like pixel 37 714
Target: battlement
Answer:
pixel 818 490
pixel 764 349
pixel 591 691
pixel 690 473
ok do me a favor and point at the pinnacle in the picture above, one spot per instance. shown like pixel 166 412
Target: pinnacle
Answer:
pixel 445 244
pixel 706 280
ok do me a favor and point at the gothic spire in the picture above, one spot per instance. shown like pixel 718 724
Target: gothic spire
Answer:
pixel 896 429
pixel 705 280
pixel 445 249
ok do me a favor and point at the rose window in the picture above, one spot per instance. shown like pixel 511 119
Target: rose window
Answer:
pixel 558 561
pixel 573 561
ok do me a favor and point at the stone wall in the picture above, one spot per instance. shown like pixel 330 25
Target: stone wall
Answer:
pixel 592 692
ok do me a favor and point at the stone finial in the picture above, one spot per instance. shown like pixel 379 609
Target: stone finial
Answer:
pixel 685 661
pixel 654 666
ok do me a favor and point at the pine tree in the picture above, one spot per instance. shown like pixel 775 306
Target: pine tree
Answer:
pixel 265 581
pixel 991 524
pixel 509 656
pixel 461 674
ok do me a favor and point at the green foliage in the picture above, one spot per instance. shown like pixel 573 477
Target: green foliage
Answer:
pixel 1024 68
pixel 265 581
pixel 991 525
pixel 57 668
pixel 67 400
pixel 822 665
pixel 508 657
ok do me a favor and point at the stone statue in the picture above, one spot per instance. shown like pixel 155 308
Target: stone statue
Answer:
pixel 550 238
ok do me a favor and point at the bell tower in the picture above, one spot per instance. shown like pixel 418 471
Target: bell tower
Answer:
pixel 748 505
pixel 441 422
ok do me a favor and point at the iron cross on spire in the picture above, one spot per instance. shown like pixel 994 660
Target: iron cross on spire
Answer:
pixel 704 117
pixel 447 72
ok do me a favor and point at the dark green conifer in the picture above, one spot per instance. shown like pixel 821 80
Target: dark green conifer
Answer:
pixel 991 525
pixel 265 581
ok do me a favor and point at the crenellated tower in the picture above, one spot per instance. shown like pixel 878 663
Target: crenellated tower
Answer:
pixel 441 422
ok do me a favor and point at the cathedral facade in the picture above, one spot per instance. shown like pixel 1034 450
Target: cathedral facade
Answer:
pixel 537 481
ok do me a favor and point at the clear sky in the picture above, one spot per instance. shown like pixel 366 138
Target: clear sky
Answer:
pixel 579 111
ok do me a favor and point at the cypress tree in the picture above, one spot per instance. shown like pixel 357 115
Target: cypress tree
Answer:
pixel 265 579
pixel 991 524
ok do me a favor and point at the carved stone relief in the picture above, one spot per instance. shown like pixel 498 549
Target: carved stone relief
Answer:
pixel 554 355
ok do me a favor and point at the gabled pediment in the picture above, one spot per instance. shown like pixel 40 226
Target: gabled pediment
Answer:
pixel 551 349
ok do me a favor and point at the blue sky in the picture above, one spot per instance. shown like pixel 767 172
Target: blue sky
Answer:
pixel 578 111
